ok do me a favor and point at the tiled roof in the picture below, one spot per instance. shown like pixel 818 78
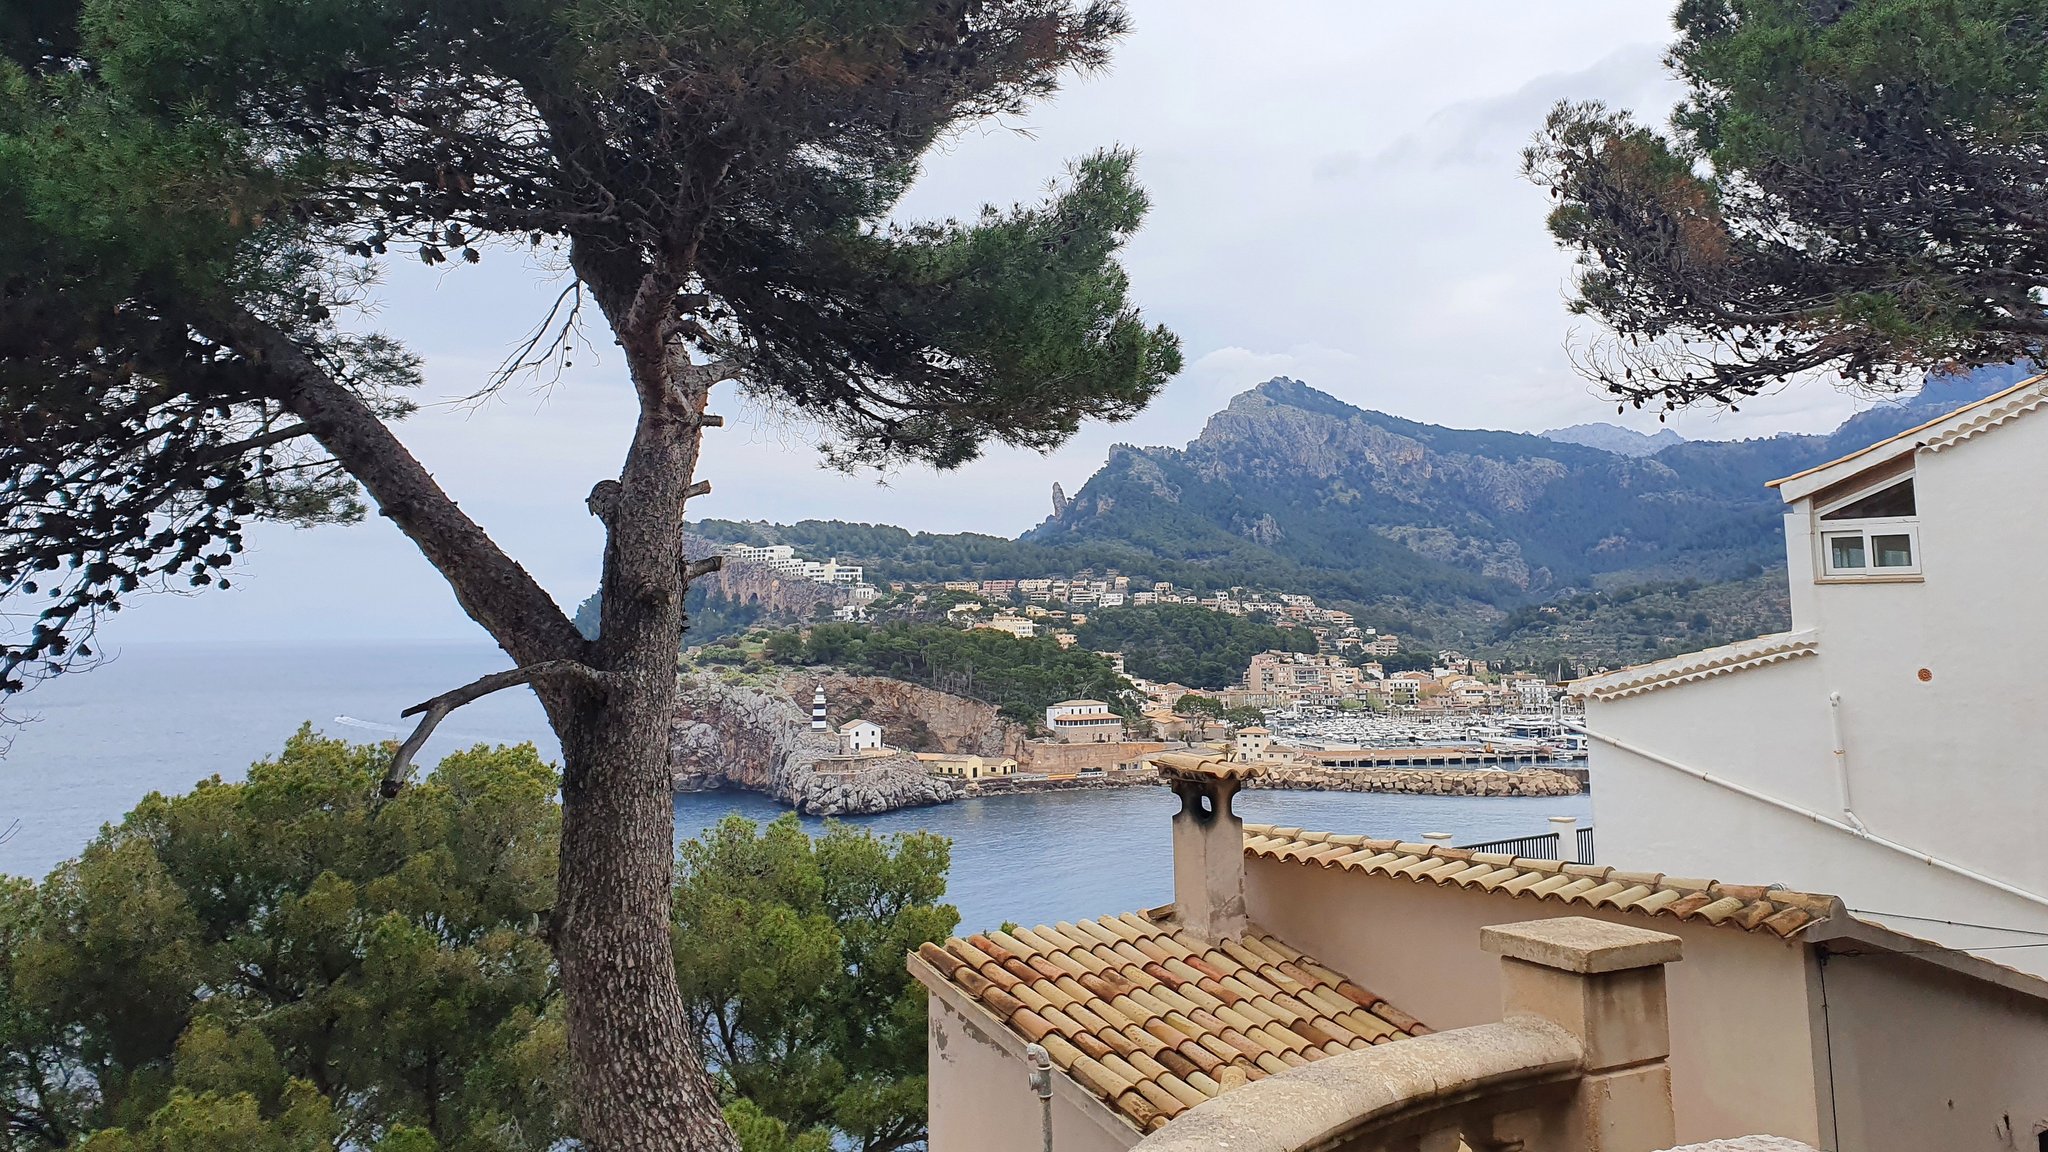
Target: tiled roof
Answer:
pixel 1972 419
pixel 1750 907
pixel 1153 1021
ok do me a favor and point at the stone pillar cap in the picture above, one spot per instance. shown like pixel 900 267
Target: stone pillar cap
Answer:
pixel 1581 945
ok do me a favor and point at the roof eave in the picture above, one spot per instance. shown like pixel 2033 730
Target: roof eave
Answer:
pixel 1800 485
pixel 1854 929
pixel 1727 658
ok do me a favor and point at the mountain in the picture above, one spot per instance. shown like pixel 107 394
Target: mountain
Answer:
pixel 1297 474
pixel 1614 438
pixel 1422 528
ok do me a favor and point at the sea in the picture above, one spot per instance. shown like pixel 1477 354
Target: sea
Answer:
pixel 159 717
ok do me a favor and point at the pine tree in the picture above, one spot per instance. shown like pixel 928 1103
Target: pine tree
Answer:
pixel 200 184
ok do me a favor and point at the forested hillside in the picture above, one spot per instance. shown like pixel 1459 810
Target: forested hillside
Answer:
pixel 1182 643
pixel 1641 622
pixel 1020 677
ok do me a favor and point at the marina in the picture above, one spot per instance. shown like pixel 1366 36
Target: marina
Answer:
pixel 1332 738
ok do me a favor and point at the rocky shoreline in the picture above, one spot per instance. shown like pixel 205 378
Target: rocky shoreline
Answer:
pixel 733 736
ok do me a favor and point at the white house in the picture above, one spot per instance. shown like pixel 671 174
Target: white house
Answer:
pixel 858 736
pixel 1891 746
pixel 1251 744
pixel 1084 722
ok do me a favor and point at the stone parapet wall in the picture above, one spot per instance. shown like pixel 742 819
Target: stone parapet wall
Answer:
pixel 1022 785
pixel 1055 759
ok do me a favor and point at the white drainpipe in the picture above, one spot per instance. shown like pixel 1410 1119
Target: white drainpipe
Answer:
pixel 1842 760
pixel 1863 834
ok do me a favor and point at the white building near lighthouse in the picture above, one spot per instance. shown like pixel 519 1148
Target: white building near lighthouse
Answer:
pixel 859 736
pixel 1892 747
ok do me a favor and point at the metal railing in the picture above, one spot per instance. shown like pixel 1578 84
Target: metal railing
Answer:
pixel 1539 847
pixel 1586 846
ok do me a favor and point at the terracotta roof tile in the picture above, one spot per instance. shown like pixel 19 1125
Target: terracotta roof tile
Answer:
pixel 1153 1021
pixel 1755 908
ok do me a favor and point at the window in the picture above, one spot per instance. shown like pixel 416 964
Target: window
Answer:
pixel 1871 534
pixel 1894 500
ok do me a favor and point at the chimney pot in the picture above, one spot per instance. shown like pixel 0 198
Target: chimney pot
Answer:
pixel 1208 843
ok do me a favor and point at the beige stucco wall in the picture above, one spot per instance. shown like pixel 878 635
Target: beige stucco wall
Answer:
pixel 1743 1056
pixel 1929 1061
pixel 980 1101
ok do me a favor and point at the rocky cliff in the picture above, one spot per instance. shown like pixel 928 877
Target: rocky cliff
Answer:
pixel 729 735
pixel 913 717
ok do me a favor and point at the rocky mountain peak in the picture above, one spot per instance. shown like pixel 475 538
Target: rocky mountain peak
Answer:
pixel 1616 439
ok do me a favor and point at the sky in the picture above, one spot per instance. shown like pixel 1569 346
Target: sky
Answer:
pixel 1336 198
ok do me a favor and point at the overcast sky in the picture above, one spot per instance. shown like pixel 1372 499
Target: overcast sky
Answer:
pixel 1335 198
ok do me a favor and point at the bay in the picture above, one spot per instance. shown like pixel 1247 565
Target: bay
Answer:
pixel 159 717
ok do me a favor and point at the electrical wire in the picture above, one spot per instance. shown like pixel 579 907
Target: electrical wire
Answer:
pixel 1950 923
pixel 1927 951
pixel 1827 1024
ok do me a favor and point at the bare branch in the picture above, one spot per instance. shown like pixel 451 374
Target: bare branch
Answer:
pixel 440 706
pixel 704 567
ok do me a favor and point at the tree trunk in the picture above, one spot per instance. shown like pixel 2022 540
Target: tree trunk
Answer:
pixel 640 1085
pixel 640 1081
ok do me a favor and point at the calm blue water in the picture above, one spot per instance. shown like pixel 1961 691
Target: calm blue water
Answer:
pixel 160 717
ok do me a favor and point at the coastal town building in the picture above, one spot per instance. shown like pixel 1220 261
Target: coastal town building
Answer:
pixel 1251 743
pixel 783 561
pixel 1404 689
pixel 967 767
pixel 1308 990
pixel 1084 722
pixel 1886 747
pixel 1016 626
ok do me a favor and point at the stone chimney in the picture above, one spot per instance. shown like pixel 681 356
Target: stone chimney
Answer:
pixel 1208 843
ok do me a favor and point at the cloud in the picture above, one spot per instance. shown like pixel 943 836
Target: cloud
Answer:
pixel 1336 198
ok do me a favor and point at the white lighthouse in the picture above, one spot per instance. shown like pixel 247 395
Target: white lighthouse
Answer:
pixel 818 710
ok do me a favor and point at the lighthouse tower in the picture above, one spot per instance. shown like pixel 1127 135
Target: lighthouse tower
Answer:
pixel 818 710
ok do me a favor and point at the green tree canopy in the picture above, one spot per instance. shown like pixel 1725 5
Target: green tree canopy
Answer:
pixel 1851 186
pixel 289 964
pixel 791 953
